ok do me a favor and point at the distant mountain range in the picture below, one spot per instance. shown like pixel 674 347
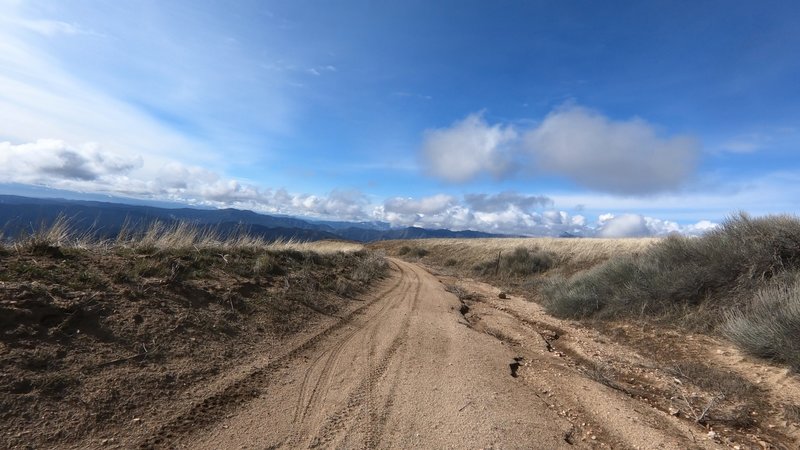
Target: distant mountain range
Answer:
pixel 20 215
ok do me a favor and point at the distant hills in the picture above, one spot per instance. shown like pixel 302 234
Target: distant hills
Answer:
pixel 20 215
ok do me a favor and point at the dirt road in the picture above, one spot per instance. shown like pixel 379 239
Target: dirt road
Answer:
pixel 414 367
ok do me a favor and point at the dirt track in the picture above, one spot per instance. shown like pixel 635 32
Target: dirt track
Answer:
pixel 414 367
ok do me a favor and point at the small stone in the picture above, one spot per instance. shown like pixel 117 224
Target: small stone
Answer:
pixel 674 411
pixel 502 295
pixel 712 434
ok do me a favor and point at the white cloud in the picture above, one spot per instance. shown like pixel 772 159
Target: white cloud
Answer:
pixel 428 205
pixel 592 150
pixel 49 160
pixel 627 157
pixel 636 225
pixel 628 225
pixel 468 148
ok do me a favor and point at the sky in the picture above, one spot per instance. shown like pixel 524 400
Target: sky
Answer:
pixel 526 117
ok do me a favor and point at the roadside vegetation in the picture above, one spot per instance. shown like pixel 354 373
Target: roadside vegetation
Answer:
pixel 741 281
pixel 513 262
pixel 91 331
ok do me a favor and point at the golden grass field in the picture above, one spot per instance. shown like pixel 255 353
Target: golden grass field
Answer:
pixel 571 254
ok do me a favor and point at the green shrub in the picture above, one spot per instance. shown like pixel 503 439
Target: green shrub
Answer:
pixel 417 252
pixel 683 275
pixel 590 292
pixel 521 262
pixel 370 266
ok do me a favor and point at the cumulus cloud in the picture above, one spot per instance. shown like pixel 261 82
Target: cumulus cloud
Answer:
pixel 468 148
pixel 636 225
pixel 506 212
pixel 628 225
pixel 582 145
pixel 339 204
pixel 627 157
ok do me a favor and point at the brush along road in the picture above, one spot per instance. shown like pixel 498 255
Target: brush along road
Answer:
pixel 414 367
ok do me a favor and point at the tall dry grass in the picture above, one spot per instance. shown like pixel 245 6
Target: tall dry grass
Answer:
pixel 161 236
pixel 568 255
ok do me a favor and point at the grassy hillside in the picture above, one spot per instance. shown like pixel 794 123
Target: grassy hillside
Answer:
pixel 514 260
pixel 91 332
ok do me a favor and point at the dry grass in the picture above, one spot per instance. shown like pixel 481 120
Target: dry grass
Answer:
pixel 570 255
pixel 160 236
pixel 321 247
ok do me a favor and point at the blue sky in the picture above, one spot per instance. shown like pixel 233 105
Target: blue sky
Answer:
pixel 600 118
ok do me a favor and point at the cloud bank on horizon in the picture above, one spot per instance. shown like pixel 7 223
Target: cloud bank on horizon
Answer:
pixel 285 108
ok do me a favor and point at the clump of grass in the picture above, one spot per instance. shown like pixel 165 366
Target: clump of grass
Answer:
pixel 520 262
pixel 414 252
pixel 47 240
pixel 370 266
pixel 590 292
pixel 769 326
pixel 266 265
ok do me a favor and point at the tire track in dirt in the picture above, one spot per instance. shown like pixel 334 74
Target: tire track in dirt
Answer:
pixel 377 417
pixel 236 394
pixel 361 399
pixel 307 404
